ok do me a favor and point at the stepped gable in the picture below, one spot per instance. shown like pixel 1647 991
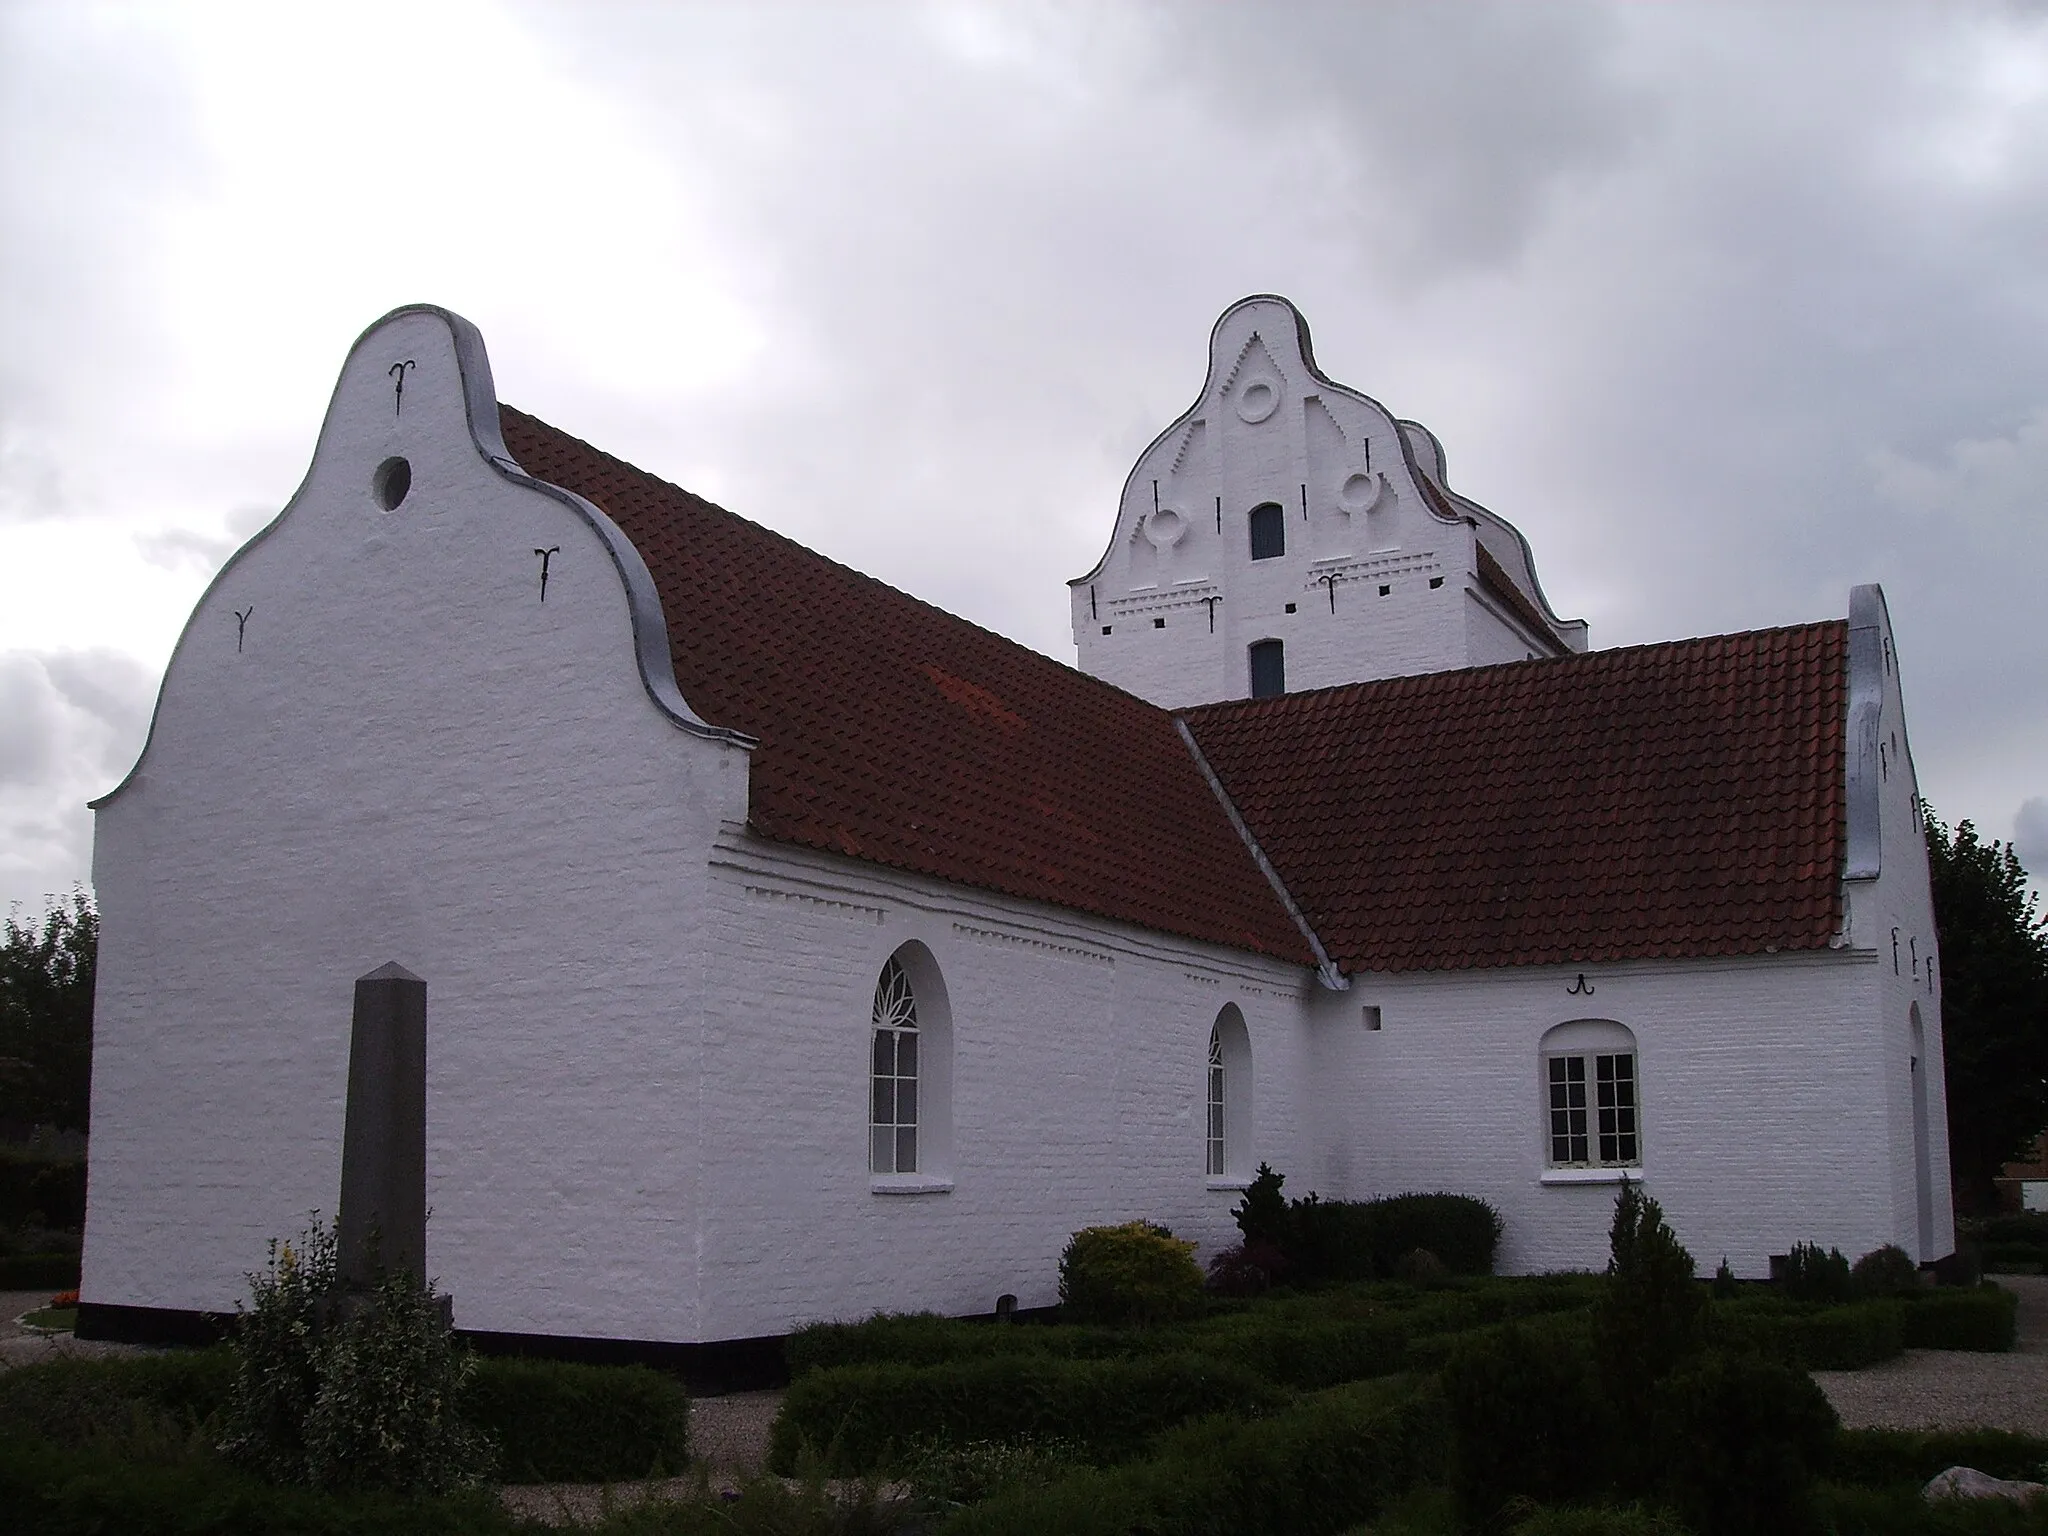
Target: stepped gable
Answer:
pixel 894 732
pixel 1662 801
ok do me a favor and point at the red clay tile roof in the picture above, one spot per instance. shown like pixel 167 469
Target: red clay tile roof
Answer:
pixel 1666 800
pixel 894 732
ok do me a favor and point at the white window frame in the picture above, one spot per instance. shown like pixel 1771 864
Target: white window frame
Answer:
pixel 1602 1121
pixel 1228 1085
pixel 893 1073
pixel 910 1005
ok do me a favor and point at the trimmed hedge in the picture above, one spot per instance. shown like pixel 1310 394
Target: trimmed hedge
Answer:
pixel 555 1422
pixel 1526 1413
pixel 1333 1460
pixel 73 1401
pixel 1845 1338
pixel 64 1491
pixel 1363 1240
pixel 925 1338
pixel 33 1271
pixel 1879 1458
pixel 1985 1319
pixel 40 1191
pixel 860 1417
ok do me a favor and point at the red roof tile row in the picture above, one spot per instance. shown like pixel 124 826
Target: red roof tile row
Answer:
pixel 1680 799
pixel 894 732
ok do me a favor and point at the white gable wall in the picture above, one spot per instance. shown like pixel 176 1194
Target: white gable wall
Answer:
pixel 409 757
pixel 1380 584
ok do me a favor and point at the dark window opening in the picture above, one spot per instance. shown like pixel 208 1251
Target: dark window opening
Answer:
pixel 1385 590
pixel 1290 607
pixel 1159 623
pixel 1269 669
pixel 1105 629
pixel 1435 582
pixel 1269 531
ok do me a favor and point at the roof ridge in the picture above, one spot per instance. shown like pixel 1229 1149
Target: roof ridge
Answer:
pixel 1608 655
pixel 797 547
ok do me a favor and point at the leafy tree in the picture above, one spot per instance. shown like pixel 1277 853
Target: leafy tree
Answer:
pixel 46 982
pixel 1994 1005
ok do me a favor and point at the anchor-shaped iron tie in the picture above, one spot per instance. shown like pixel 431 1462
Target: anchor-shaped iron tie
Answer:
pixel 397 371
pixel 241 623
pixel 1581 987
pixel 546 555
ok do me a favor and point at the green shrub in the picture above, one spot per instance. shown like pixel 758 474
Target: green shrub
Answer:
pixel 1725 1286
pixel 2026 1227
pixel 561 1423
pixel 1886 1271
pixel 943 1476
pixel 1649 1319
pixel 1262 1214
pixel 54 1490
pixel 1246 1269
pixel 1527 1420
pixel 276 1345
pixel 1855 1511
pixel 1461 1230
pixel 1849 1338
pixel 1815 1338
pixel 1337 1458
pixel 37 1271
pixel 1307 1353
pixel 37 1190
pixel 1884 1457
pixel 860 1418
pixel 1985 1319
pixel 1134 1273
pixel 76 1401
pixel 343 1390
pixel 1739 1441
pixel 1629 1520
pixel 1810 1275
pixel 387 1411
pixel 1420 1267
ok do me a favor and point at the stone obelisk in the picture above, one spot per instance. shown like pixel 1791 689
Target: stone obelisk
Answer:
pixel 382 1224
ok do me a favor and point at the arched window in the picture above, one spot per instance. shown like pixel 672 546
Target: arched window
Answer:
pixel 1593 1107
pixel 1268 669
pixel 892 1119
pixel 1269 531
pixel 1229 1084
pixel 1218 1098
pixel 910 1075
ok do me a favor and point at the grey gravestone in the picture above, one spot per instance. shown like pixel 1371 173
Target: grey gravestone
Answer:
pixel 382 1223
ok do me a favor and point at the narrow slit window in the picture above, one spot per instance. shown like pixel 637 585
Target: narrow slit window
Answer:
pixel 1269 531
pixel 1268 669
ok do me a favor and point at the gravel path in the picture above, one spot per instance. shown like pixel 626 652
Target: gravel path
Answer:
pixel 1951 1389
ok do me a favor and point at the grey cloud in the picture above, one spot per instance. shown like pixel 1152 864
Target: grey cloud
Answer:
pixel 71 722
pixel 29 711
pixel 2030 836
pixel 192 549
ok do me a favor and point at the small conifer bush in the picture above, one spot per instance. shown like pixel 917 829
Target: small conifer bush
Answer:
pixel 1886 1271
pixel 1811 1275
pixel 1648 1321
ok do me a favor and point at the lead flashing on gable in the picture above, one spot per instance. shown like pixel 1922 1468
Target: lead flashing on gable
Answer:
pixel 480 408
pixel 1869 629
pixel 1326 969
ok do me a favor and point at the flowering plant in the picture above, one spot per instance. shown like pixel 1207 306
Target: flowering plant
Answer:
pixel 64 1299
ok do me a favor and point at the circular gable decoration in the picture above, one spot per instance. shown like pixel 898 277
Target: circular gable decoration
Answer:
pixel 1165 528
pixel 1259 398
pixel 391 482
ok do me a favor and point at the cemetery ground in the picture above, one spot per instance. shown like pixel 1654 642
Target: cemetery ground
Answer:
pixel 1313 1410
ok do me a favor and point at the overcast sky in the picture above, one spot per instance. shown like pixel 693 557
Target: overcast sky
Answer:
pixel 1728 308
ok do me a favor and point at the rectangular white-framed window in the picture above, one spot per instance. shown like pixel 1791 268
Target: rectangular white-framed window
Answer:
pixel 1594 1113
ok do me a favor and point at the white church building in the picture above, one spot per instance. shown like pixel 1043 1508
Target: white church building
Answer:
pixel 795 949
